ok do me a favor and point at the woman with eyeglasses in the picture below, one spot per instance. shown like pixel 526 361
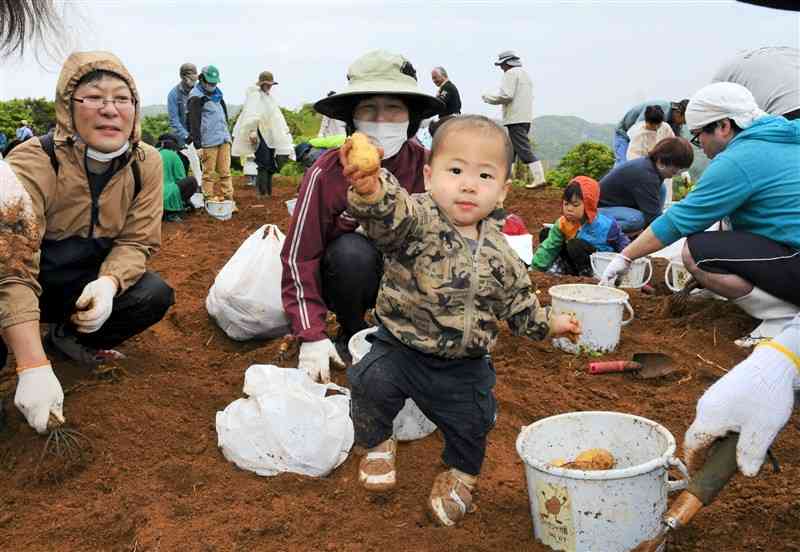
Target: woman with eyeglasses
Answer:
pixel 94 219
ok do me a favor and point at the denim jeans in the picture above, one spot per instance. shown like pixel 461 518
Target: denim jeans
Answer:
pixel 629 219
pixel 620 149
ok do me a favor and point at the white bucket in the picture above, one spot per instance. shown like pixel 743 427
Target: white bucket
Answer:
pixel 676 275
pixel 290 205
pixel 599 309
pixel 593 511
pixel 222 210
pixel 410 423
pixel 196 199
pixel 633 278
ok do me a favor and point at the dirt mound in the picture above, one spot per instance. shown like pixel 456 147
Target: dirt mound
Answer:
pixel 156 480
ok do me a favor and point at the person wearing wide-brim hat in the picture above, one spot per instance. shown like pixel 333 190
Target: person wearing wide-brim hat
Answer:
pixel 516 97
pixel 326 264
pixel 261 132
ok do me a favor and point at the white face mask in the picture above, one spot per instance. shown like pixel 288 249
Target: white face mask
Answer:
pixel 104 157
pixel 390 136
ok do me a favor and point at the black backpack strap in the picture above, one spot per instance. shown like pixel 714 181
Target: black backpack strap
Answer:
pixel 49 147
pixel 137 179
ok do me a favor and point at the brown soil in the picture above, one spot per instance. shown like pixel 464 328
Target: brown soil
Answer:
pixel 156 480
pixel 18 234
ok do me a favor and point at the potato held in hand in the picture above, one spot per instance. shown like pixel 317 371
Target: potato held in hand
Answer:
pixel 363 154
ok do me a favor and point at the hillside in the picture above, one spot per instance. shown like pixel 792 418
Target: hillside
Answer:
pixel 555 135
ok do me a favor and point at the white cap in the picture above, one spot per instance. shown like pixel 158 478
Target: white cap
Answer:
pixel 722 100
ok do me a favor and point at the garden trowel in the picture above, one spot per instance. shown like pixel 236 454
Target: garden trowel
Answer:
pixel 644 365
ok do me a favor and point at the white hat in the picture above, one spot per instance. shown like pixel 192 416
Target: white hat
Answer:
pixel 508 57
pixel 722 100
pixel 379 72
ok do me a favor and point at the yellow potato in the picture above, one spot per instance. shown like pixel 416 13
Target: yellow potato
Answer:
pixel 595 459
pixel 363 154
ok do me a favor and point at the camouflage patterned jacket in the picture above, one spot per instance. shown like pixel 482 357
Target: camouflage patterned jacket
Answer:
pixel 436 296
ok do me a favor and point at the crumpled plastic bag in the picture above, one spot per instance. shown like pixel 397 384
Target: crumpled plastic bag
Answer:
pixel 286 424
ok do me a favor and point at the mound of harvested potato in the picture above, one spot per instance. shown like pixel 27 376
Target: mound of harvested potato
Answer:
pixel 595 459
pixel 363 154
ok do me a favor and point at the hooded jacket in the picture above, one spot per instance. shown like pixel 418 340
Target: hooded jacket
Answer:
pixel 437 296
pixel 598 230
pixel 115 231
pixel 754 181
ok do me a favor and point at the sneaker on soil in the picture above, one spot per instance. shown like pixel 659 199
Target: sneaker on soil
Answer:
pixel 376 472
pixel 67 343
pixel 451 497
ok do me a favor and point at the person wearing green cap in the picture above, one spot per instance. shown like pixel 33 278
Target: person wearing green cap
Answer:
pixel 327 265
pixel 208 131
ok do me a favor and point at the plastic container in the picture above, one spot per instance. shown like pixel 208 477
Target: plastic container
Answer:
pixel 599 309
pixel 676 275
pixel 290 206
pixel 410 423
pixel 634 278
pixel 593 511
pixel 222 210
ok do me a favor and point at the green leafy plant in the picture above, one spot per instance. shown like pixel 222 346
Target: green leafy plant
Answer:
pixel 39 112
pixel 154 126
pixel 588 159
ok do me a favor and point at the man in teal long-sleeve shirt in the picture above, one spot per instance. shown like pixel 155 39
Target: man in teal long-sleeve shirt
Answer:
pixel 754 181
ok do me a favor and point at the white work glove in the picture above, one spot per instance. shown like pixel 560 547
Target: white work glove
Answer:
pixel 38 395
pixel 95 304
pixel 618 266
pixel 755 399
pixel 315 357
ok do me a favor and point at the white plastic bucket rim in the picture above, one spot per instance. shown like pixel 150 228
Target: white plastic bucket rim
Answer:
pixel 603 258
pixel 220 209
pixel 590 293
pixel 290 205
pixel 666 459
pixel 676 275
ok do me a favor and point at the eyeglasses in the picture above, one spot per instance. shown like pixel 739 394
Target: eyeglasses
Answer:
pixel 98 102
pixel 709 128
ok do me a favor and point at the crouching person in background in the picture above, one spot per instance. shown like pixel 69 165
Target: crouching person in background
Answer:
pixel 94 217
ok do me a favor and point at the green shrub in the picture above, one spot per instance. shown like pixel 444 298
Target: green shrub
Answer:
pixel 292 168
pixel 39 112
pixel 587 159
pixel 154 126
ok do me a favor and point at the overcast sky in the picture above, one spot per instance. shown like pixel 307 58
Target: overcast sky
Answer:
pixel 590 59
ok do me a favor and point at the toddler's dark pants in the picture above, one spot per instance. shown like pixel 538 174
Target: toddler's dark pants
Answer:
pixel 456 395
pixel 575 253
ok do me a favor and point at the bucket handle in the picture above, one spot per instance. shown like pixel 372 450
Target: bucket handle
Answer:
pixel 630 310
pixel 592 260
pixel 678 484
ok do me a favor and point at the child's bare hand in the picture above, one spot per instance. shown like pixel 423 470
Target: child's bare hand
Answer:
pixel 360 168
pixel 566 325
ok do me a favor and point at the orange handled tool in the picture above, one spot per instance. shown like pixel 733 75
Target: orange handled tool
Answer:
pixel 612 366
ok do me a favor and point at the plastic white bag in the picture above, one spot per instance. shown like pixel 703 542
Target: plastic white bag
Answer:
pixel 245 299
pixel 287 424
pixel 194 163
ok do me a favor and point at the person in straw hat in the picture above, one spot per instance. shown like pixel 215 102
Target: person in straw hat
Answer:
pixel 326 264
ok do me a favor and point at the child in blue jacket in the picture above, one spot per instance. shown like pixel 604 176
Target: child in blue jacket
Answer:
pixel 579 231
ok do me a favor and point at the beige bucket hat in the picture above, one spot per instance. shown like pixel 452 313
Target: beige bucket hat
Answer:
pixel 379 72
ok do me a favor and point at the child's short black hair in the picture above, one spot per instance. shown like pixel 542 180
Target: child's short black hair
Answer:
pixel 478 122
pixel 573 191
pixel 654 115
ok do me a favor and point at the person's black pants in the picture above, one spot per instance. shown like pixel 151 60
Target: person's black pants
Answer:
pixel 575 254
pixel 267 166
pixel 187 186
pixel 351 270
pixel 767 264
pixel 455 394
pixel 141 306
